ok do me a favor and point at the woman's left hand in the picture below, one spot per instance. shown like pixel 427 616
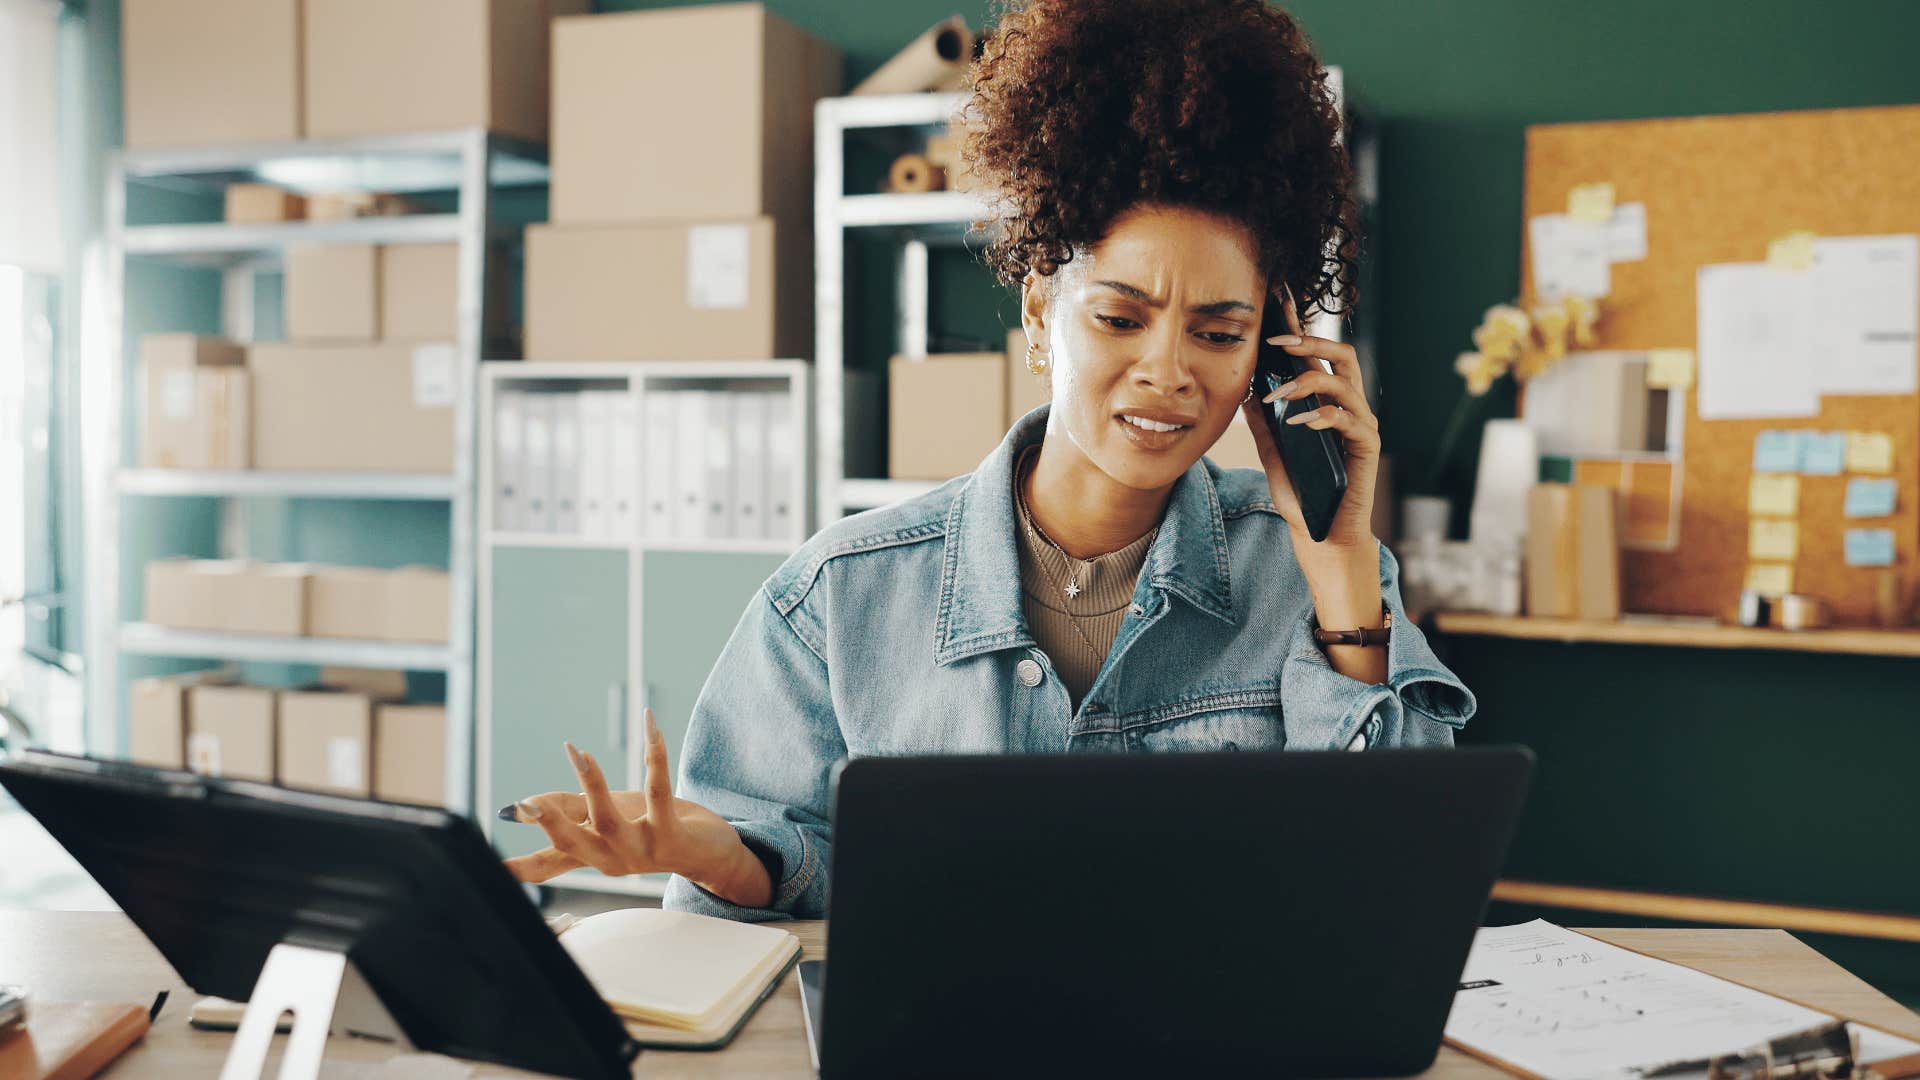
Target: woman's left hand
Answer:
pixel 1344 409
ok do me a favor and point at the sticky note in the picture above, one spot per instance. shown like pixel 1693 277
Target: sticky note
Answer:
pixel 1769 579
pixel 1823 453
pixel 1869 498
pixel 1777 451
pixel 1772 538
pixel 1869 452
pixel 1774 493
pixel 1869 547
pixel 1670 369
pixel 1793 251
pixel 1594 203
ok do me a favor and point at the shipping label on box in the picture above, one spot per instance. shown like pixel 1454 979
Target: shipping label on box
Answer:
pixel 230 731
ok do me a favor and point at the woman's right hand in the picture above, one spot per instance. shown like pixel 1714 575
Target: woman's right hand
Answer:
pixel 639 832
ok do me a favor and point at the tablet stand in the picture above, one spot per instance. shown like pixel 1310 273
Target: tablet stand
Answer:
pixel 325 992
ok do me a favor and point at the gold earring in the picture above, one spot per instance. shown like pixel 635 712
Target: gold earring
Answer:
pixel 1037 367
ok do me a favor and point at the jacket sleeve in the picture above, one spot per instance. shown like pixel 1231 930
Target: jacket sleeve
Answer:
pixel 760 750
pixel 1420 704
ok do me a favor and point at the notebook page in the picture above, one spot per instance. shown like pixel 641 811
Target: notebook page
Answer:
pixel 1564 1005
pixel 668 962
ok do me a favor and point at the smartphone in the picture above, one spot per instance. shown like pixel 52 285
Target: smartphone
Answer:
pixel 1316 460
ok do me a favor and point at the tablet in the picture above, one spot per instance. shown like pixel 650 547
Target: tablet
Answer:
pixel 217 872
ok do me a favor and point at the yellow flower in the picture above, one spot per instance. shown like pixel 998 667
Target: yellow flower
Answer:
pixel 1533 360
pixel 1502 332
pixel 1585 314
pixel 1478 369
pixel 1553 322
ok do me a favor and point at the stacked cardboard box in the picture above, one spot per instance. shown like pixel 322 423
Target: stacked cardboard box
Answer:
pixel 409 604
pixel 210 71
pixel 197 410
pixel 682 154
pixel 343 740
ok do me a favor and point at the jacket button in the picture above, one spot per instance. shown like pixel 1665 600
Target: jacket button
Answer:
pixel 1137 609
pixel 1029 672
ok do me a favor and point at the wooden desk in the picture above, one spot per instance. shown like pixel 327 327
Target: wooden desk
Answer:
pixel 89 955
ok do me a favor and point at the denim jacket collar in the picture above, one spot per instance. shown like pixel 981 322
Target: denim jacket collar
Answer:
pixel 979 606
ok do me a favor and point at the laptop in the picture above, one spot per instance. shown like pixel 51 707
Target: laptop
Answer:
pixel 1173 914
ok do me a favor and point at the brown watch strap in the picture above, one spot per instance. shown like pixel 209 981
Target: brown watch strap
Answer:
pixel 1366 635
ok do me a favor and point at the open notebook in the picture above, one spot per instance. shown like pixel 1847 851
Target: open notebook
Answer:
pixel 675 978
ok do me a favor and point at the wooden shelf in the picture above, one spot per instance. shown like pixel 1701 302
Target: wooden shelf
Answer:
pixel 1859 642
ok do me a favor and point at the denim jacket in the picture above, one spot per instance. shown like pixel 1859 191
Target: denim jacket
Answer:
pixel 899 631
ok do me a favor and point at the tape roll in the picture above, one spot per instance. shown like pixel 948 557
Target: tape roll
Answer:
pixel 913 172
pixel 1797 612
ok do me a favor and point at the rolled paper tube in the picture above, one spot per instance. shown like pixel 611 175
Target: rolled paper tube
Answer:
pixel 1799 612
pixel 931 61
pixel 940 150
pixel 913 172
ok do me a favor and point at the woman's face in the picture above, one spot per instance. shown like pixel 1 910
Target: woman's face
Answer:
pixel 1160 322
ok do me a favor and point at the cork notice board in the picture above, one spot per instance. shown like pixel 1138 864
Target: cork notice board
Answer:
pixel 1717 190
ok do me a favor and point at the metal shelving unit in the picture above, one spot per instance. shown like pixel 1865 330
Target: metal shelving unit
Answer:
pixel 848 457
pixel 468 164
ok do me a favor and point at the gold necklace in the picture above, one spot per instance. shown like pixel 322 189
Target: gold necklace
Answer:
pixel 1072 590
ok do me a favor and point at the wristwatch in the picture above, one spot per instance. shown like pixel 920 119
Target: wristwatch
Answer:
pixel 1367 635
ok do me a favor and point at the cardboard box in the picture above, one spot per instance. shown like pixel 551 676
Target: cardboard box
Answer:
pixel 199 72
pixel 196 412
pixel 418 602
pixel 255 204
pixel 409 604
pixel 381 408
pixel 230 731
pixel 347 205
pixel 326 741
pixel 157 717
pixel 1025 390
pixel 333 293
pixel 374 682
pixel 410 754
pixel 709 290
pixel 687 112
pixel 945 413
pixel 420 292
pixel 228 595
pixel 376 67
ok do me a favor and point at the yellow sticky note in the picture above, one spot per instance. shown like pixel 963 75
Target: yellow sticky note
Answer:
pixel 1793 251
pixel 1591 202
pixel 1774 493
pixel 1869 452
pixel 1769 538
pixel 1769 579
pixel 1670 369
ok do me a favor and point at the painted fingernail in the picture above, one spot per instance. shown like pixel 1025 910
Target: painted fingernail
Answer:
pixel 574 755
pixel 1301 418
pixel 1273 396
pixel 505 813
pixel 1284 339
pixel 529 811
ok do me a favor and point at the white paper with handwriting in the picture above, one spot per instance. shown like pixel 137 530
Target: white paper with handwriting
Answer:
pixel 1564 1005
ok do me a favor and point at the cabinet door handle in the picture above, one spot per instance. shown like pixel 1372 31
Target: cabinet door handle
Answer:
pixel 617 716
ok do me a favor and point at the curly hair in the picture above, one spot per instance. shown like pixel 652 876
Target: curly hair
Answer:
pixel 1082 108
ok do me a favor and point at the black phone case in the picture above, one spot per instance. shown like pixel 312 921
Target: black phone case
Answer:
pixel 1316 460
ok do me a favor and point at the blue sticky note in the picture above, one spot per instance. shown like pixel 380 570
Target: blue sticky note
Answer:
pixel 1823 453
pixel 1869 498
pixel 1869 547
pixel 1777 451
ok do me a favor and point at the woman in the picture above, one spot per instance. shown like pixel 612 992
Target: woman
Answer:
pixel 1163 171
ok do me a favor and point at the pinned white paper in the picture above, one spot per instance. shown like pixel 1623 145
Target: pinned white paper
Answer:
pixel 176 395
pixel 717 266
pixel 1570 258
pixel 346 766
pixel 203 753
pixel 1753 344
pixel 1864 297
pixel 1627 233
pixel 433 381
